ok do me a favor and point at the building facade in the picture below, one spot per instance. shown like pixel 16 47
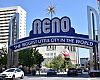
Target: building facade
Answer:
pixel 84 62
pixel 5 15
pixel 49 52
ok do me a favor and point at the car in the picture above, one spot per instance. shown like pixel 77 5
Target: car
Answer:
pixel 79 70
pixel 94 73
pixel 13 73
pixel 72 71
pixel 51 72
pixel 86 70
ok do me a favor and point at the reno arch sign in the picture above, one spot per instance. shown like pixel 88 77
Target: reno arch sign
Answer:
pixel 53 32
pixel 55 25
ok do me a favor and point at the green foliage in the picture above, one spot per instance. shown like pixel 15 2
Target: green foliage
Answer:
pixel 3 60
pixel 48 64
pixel 30 57
pixel 59 63
pixel 26 57
pixel 3 57
pixel 56 63
pixel 38 58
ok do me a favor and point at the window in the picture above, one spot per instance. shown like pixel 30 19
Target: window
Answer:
pixel 54 54
pixel 82 64
pixel 53 47
pixel 3 42
pixel 4 23
pixel 10 70
pixel 47 54
pixel 51 54
pixel 68 48
pixel 5 20
pixel 71 48
pixel 49 48
pixel 18 70
pixel 8 10
pixel 74 49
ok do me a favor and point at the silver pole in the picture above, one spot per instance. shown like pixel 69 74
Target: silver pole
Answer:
pixel 98 31
pixel 90 35
pixel 78 56
pixel 12 58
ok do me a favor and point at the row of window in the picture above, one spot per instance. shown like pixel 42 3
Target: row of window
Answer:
pixel 4 26
pixel 3 29
pixel 7 13
pixel 70 48
pixel 3 32
pixel 3 38
pixel 3 42
pixel 4 23
pixel 8 10
pixel 49 48
pixel 3 35
pixel 50 54
pixel 6 16
pixel 5 20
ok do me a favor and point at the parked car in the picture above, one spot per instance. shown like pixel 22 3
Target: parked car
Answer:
pixel 94 73
pixel 79 70
pixel 51 72
pixel 86 70
pixel 13 73
pixel 72 71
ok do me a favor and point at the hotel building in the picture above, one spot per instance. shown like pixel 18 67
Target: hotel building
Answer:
pixel 6 14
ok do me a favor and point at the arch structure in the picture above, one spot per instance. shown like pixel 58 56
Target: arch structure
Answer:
pixel 53 32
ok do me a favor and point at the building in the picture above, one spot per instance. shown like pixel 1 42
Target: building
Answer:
pixel 5 16
pixel 49 52
pixel 84 62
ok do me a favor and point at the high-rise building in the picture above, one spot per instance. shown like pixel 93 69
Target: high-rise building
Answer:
pixel 6 14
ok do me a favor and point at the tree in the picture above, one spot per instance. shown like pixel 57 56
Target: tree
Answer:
pixel 38 59
pixel 48 64
pixel 26 58
pixel 57 62
pixel 30 57
pixel 3 56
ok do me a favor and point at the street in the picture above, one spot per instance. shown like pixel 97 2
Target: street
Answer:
pixel 59 76
pixel 83 76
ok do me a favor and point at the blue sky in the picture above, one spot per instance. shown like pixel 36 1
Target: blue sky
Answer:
pixel 76 10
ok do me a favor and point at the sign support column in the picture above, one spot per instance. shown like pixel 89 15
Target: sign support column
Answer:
pixel 91 30
pixel 12 57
